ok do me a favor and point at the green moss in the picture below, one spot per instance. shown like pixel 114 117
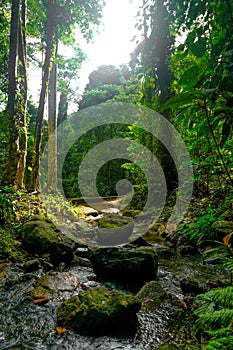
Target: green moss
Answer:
pixel 99 311
pixel 113 222
pixel 41 292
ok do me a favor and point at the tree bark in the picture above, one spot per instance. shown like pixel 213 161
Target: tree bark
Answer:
pixel 23 97
pixel 62 108
pixel 51 28
pixel 12 161
pixel 52 127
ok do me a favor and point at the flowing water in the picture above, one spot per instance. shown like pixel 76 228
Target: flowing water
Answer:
pixel 25 325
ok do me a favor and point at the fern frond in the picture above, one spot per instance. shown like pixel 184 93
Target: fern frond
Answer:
pixel 217 318
pixel 206 307
pixel 221 332
pixel 224 343
pixel 228 263
pixel 220 296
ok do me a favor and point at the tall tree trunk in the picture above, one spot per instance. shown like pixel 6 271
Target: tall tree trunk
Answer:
pixel 62 108
pixel 52 127
pixel 12 162
pixel 23 97
pixel 51 28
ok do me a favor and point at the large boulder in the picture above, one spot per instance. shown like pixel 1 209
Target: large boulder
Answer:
pixel 100 311
pixel 130 267
pixel 40 235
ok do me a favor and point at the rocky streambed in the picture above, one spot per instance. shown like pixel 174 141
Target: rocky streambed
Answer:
pixel 148 280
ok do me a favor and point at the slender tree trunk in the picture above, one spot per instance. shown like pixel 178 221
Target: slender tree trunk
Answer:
pixel 51 28
pixel 62 108
pixel 23 97
pixel 11 168
pixel 52 127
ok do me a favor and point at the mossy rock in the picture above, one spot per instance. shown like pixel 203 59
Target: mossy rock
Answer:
pixel 152 295
pixel 100 311
pixel 51 284
pixel 131 212
pixel 115 230
pixel 130 267
pixel 114 221
pixel 41 292
pixel 39 235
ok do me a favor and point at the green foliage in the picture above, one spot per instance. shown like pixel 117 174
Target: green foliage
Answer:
pixel 6 242
pixel 200 230
pixel 98 95
pixel 214 317
pixel 6 206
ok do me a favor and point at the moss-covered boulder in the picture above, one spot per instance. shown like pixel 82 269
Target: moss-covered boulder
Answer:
pixel 100 311
pixel 39 235
pixel 152 295
pixel 130 267
pixel 115 230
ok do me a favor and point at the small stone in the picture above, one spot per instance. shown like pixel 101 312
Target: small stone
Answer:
pixel 31 265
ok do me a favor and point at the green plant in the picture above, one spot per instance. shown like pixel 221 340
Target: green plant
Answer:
pixel 6 242
pixel 201 231
pixel 215 317
pixel 6 206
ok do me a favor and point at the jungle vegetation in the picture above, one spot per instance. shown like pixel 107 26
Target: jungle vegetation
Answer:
pixel 181 67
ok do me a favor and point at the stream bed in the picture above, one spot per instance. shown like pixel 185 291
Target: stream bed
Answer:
pixel 26 325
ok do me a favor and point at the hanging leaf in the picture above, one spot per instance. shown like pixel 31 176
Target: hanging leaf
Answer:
pixel 198 48
pixel 189 76
pixel 182 100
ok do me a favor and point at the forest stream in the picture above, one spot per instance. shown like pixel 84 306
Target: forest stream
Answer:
pixel 29 325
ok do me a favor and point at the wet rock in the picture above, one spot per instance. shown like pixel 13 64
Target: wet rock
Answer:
pixel 132 213
pixel 39 235
pixel 90 284
pixel 31 265
pixel 82 252
pixel 110 211
pixel 186 247
pixel 139 242
pixel 100 311
pixel 165 252
pixel 48 286
pixel 81 261
pixel 152 295
pixel 114 230
pixel 86 210
pixel 172 238
pixel 131 267
pixel 191 286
